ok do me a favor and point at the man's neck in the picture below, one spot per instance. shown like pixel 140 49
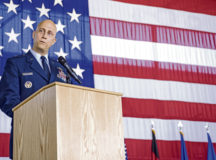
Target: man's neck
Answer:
pixel 39 51
pixel 38 55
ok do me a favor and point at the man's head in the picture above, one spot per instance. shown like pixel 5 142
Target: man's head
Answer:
pixel 44 36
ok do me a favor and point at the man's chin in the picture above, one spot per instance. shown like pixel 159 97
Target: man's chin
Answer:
pixel 42 50
pixel 43 47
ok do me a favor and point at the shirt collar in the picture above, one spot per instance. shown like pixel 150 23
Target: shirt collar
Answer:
pixel 38 56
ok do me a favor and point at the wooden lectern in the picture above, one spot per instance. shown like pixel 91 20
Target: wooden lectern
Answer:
pixel 67 122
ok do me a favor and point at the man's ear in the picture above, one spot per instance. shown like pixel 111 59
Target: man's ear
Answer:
pixel 33 35
pixel 54 41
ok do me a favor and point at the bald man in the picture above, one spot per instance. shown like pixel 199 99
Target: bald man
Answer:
pixel 23 75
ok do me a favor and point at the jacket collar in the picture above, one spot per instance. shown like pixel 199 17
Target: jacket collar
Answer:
pixel 35 65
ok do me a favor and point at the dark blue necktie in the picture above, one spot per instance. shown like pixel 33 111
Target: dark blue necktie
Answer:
pixel 45 67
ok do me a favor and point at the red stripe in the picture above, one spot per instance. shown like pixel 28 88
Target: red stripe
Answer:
pixel 4 144
pixel 152 33
pixel 153 70
pixel 149 108
pixel 197 6
pixel 154 157
pixel 168 150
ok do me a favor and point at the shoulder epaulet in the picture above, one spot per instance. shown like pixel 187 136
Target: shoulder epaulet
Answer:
pixel 18 56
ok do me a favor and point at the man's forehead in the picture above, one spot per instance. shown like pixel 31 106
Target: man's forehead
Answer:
pixel 47 25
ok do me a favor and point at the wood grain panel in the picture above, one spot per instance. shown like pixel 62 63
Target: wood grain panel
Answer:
pixel 67 122
pixel 94 125
pixel 35 128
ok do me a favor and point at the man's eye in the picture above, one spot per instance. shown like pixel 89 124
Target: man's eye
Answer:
pixel 50 33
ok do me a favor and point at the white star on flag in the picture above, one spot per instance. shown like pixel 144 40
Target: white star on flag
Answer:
pixel 26 50
pixel 1 47
pixel 12 36
pixel 79 71
pixel 28 0
pixel 11 6
pixel 1 17
pixel 75 43
pixel 28 23
pixel 43 11
pixel 61 53
pixel 74 16
pixel 58 2
pixel 60 26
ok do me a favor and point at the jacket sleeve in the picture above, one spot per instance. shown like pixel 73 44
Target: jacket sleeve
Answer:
pixel 9 88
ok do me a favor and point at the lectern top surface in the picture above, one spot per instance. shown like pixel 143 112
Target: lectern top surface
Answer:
pixel 64 85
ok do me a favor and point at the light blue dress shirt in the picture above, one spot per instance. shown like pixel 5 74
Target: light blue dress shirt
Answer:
pixel 38 58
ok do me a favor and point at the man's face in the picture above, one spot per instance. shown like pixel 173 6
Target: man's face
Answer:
pixel 44 36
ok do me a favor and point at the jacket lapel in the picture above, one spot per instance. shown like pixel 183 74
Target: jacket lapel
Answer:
pixel 53 70
pixel 35 65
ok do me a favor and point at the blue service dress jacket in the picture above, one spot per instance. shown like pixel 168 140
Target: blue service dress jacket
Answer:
pixel 23 76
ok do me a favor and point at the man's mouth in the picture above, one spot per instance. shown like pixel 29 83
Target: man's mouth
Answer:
pixel 42 42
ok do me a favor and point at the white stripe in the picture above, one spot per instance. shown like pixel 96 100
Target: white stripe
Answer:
pixel 140 128
pixel 151 15
pixel 162 52
pixel 157 89
pixel 4 158
pixel 5 123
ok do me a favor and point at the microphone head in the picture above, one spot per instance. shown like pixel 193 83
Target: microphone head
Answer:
pixel 61 60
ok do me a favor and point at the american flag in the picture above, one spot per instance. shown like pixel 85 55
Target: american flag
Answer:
pixel 161 54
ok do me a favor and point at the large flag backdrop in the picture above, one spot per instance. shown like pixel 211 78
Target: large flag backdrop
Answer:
pixel 161 54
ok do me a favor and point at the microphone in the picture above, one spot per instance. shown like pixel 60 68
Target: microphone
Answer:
pixel 63 62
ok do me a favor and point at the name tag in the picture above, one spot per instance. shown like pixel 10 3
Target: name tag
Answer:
pixel 27 74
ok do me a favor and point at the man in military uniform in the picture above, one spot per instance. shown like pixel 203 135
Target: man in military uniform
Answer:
pixel 25 74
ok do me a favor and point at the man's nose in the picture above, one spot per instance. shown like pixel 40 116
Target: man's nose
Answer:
pixel 44 35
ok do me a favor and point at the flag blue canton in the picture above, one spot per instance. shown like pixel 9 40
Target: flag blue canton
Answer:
pixel 18 19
